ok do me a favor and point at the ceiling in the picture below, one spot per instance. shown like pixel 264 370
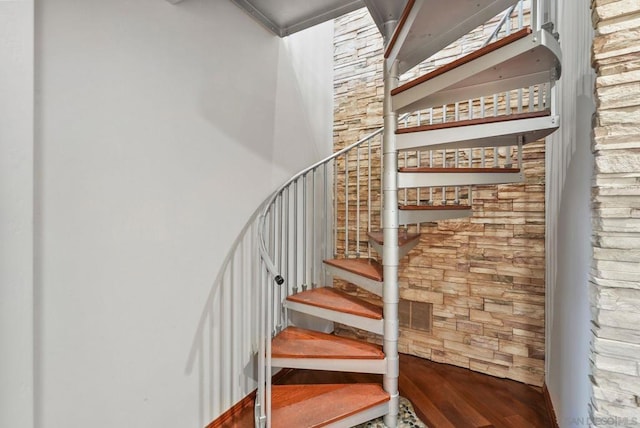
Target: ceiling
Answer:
pixel 284 17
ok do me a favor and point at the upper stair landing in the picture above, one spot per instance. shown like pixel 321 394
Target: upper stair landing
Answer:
pixel 428 26
pixel 520 60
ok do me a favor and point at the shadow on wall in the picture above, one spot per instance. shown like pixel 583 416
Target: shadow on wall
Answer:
pixel 224 349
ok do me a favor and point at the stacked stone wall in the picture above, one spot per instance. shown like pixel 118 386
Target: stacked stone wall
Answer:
pixel 615 285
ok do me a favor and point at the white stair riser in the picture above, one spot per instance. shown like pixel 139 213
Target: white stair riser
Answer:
pixel 482 135
pixel 370 285
pixel 363 323
pixel 417 179
pixel 416 216
pixel 333 364
pixel 523 63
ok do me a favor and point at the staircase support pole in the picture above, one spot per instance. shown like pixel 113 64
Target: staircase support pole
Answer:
pixel 390 257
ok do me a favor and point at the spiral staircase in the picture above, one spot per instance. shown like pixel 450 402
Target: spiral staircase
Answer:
pixel 349 219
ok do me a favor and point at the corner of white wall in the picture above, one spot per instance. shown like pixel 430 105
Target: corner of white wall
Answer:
pixel 16 214
pixel 569 166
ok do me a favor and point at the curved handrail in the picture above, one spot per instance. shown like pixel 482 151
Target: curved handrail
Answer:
pixel 264 254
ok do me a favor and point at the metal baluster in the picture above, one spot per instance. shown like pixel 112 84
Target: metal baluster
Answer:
pixel 430 166
pixel 346 205
pixel 540 97
pixel 495 104
pixel 357 202
pixel 531 98
pixel 405 165
pixel 520 148
pixel 313 228
pixel 279 234
pixel 520 100
pixel 419 161
pixel 305 274
pixel 272 252
pixel 325 210
pixel 335 208
pixel 262 340
pixel 520 15
pixel 470 109
pixel 269 324
pixel 456 112
pixel 286 194
pixel 482 114
pixel 456 200
pixel 369 208
pixel 218 343
pixel 444 165
pixel 295 237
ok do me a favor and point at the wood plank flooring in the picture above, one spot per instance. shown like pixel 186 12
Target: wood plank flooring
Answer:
pixel 444 396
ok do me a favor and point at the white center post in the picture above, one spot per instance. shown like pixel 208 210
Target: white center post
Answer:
pixel 390 257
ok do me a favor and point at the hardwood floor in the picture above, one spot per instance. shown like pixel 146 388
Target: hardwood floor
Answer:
pixel 444 396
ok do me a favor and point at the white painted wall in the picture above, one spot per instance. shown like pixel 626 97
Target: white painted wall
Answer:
pixel 569 169
pixel 161 128
pixel 16 213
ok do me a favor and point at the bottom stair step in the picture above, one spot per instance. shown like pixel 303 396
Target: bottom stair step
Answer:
pixel 307 406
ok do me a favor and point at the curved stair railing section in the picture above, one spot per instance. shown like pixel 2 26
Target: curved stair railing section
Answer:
pixel 296 231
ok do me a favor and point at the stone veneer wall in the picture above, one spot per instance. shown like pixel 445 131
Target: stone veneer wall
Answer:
pixel 483 275
pixel 615 285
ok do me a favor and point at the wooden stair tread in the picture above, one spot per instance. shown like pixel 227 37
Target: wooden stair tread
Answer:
pixel 320 405
pixel 367 268
pixel 401 22
pixel 464 60
pixel 403 237
pixel 426 169
pixel 479 121
pixel 337 300
pixel 294 342
pixel 434 207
